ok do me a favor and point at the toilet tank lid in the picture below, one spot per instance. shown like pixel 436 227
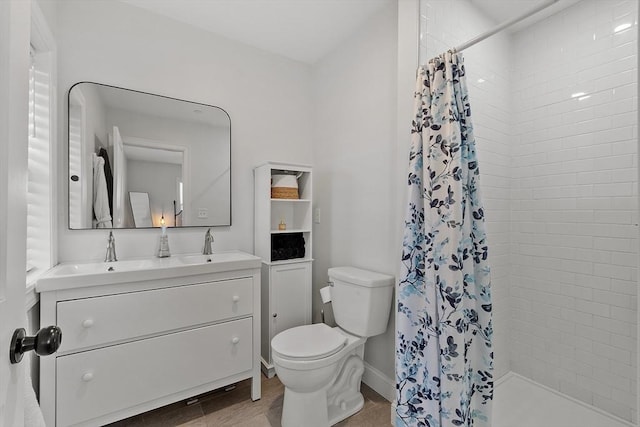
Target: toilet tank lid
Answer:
pixel 361 277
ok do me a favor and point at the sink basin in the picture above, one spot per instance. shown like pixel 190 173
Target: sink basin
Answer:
pixel 70 275
pixel 205 259
pixel 195 259
pixel 101 267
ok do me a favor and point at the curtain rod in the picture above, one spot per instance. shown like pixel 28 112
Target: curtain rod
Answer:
pixel 504 25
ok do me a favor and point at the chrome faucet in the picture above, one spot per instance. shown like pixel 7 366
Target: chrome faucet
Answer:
pixel 208 240
pixel 111 249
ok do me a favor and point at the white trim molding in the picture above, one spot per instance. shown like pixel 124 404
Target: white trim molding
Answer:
pixel 379 382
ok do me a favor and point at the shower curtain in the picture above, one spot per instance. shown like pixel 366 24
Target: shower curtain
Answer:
pixel 444 356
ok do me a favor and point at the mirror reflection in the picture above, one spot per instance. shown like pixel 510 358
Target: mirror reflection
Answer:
pixel 140 209
pixel 130 150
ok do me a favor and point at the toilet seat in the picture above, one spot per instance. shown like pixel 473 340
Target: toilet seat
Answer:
pixel 308 342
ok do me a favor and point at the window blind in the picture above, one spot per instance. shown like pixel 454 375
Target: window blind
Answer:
pixel 38 166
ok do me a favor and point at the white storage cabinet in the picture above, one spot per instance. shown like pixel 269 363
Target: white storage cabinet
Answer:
pixel 286 284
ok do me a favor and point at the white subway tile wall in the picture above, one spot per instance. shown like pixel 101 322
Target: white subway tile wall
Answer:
pixel 555 117
pixel 573 281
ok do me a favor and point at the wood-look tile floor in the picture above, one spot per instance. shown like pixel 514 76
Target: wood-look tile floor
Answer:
pixel 235 409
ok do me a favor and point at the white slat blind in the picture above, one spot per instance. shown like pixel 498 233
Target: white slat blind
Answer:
pixel 39 175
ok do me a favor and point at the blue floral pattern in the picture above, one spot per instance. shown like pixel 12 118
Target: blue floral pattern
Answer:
pixel 444 356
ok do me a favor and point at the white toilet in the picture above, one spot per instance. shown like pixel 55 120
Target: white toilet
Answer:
pixel 321 367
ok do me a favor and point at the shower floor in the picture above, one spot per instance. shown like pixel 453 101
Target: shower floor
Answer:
pixel 524 403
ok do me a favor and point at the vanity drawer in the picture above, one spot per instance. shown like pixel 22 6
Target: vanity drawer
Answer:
pixel 108 319
pixel 98 382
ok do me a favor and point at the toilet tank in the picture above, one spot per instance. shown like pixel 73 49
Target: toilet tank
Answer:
pixel 361 300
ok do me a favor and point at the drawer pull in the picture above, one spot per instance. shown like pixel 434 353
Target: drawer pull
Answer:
pixel 235 340
pixel 87 323
pixel 87 377
pixel 236 298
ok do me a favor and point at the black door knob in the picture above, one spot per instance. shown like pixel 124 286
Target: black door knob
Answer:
pixel 45 342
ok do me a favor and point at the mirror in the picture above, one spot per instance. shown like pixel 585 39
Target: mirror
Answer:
pixel 123 142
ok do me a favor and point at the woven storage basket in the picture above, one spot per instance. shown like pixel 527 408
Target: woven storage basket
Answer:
pixel 284 187
pixel 284 193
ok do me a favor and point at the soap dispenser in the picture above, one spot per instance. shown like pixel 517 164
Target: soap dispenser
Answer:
pixel 163 249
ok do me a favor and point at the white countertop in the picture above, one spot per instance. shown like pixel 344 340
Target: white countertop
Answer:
pixel 76 275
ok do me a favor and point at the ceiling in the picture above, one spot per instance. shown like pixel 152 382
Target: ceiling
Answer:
pixel 306 30
pixel 302 30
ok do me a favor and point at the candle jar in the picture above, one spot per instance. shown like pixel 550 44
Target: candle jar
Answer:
pixel 163 249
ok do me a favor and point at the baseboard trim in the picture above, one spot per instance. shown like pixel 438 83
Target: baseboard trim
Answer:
pixel 379 382
pixel 268 370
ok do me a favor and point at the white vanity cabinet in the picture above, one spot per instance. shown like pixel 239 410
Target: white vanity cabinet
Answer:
pixel 132 346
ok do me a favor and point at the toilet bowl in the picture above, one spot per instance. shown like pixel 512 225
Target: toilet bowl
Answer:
pixel 321 367
pixel 309 376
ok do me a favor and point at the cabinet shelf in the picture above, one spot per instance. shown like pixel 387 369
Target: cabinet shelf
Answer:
pixel 291 200
pixel 286 283
pixel 296 230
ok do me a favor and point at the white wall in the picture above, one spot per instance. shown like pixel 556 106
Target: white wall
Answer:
pixel 268 98
pixel 354 89
pixel 448 24
pixel 574 199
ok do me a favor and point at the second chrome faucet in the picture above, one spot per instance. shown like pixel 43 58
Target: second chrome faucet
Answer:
pixel 208 240
pixel 111 249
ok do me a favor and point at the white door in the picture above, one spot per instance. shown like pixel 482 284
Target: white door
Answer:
pixel 14 89
pixel 119 178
